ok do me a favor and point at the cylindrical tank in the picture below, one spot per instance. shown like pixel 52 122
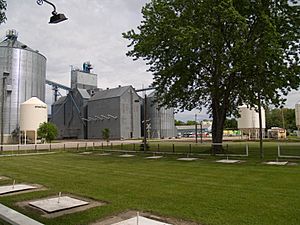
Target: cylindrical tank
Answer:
pixel 161 119
pixel 297 114
pixel 249 118
pixel 27 75
pixel 33 112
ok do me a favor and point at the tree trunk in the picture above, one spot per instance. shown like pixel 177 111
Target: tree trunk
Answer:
pixel 219 115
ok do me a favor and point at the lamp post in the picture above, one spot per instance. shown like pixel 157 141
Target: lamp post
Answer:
pixel 196 129
pixel 56 17
pixel 201 131
pixel 5 75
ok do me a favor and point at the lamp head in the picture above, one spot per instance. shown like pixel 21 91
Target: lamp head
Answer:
pixel 57 17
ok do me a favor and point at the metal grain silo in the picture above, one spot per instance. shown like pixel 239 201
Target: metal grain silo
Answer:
pixel 248 122
pixel 27 74
pixel 161 119
pixel 297 114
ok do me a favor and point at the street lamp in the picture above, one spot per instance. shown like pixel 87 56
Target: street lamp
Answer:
pixel 56 17
pixel 5 75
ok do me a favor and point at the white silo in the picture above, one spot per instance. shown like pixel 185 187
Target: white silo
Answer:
pixel 297 114
pixel 248 122
pixel 33 112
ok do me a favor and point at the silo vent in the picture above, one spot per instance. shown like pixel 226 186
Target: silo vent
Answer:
pixel 12 34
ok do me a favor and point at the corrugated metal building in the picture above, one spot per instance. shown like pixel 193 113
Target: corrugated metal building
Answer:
pixel 69 114
pixel 117 109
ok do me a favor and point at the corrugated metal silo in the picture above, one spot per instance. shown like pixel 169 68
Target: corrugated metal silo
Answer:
pixel 27 75
pixel 161 119
pixel 297 114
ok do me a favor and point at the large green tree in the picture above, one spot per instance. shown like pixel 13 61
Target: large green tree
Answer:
pixel 219 53
pixel 2 11
pixel 283 117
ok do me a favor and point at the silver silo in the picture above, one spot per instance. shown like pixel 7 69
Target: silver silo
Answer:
pixel 162 121
pixel 27 75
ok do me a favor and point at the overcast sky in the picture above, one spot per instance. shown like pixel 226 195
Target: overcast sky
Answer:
pixel 93 32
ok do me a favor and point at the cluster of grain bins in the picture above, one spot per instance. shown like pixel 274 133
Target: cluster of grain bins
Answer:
pixel 248 122
pixel 22 75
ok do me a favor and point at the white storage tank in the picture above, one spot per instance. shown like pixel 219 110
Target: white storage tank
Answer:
pixel 33 112
pixel 297 114
pixel 249 121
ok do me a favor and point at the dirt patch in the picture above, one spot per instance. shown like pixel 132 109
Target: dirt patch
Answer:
pixel 129 214
pixel 92 203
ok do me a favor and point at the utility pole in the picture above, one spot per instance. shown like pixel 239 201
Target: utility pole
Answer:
pixel 145 124
pixel 196 129
pixel 5 75
pixel 201 131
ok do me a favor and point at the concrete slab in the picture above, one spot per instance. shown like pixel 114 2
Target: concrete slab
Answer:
pixel 277 163
pixel 126 156
pixel 15 188
pixel 230 161
pixel 4 178
pixel 85 153
pixel 187 159
pixel 13 217
pixel 104 154
pixel 51 205
pixel 140 221
pixel 155 157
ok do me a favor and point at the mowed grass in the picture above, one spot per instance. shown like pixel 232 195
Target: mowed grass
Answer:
pixel 203 191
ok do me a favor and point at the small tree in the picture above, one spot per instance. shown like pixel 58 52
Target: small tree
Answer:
pixel 48 131
pixel 106 134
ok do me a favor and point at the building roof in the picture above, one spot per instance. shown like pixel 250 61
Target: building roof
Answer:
pixel 84 94
pixel 60 101
pixel 110 93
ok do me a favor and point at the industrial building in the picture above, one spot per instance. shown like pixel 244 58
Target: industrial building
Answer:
pixel 84 112
pixel 23 75
pixel 117 109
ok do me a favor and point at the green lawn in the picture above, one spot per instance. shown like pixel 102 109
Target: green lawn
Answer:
pixel 202 191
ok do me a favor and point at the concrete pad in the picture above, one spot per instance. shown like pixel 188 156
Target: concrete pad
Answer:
pixel 230 161
pixel 126 156
pixel 15 188
pixel 141 221
pixel 85 153
pixel 4 178
pixel 104 154
pixel 51 205
pixel 277 163
pixel 13 217
pixel 154 157
pixel 187 159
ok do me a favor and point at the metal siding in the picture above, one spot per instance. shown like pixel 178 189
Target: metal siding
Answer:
pixel 27 78
pixel 103 107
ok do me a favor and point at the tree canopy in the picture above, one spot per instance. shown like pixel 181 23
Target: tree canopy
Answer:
pixel 3 5
pixel 219 54
pixel 284 118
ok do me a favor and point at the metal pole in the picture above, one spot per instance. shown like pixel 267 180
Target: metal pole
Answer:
pixel 5 74
pixel 201 131
pixel 196 130
pixel 145 123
